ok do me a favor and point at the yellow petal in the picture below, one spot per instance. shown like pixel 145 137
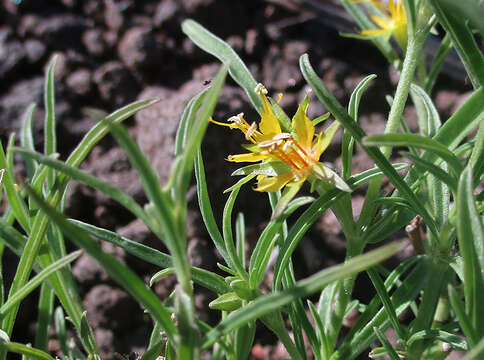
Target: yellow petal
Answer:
pixel 249 157
pixel 269 124
pixel 275 183
pixel 303 128
pixel 382 22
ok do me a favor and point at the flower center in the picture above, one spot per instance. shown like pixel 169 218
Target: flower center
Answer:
pixel 284 147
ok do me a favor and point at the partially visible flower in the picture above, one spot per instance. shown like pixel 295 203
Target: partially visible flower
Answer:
pixel 392 21
pixel 295 155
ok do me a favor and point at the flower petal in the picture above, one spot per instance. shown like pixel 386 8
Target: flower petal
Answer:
pixel 249 157
pixel 274 183
pixel 303 128
pixel 269 125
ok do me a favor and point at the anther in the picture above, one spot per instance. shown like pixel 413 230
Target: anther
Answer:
pixel 282 136
pixel 238 119
pixel 250 131
pixel 260 89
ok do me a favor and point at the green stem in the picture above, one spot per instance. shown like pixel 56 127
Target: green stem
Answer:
pixel 414 48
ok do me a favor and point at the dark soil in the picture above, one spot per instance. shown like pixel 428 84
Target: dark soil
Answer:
pixel 113 52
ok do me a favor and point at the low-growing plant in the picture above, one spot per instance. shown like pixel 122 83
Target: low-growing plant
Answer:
pixel 440 288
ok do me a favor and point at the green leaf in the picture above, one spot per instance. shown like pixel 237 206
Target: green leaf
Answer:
pixel 27 139
pixel 431 126
pixel 44 317
pixel 267 240
pixel 186 120
pixel 98 131
pixel 195 132
pixel 207 212
pixel 87 335
pixel 387 304
pixel 456 341
pixel 110 190
pixel 119 272
pixel 226 302
pixel 240 183
pixel 348 142
pixel 305 221
pixel 240 240
pixel 26 351
pixel 50 134
pixel 386 344
pixel 362 334
pixel 462 318
pixel 357 133
pixel 416 141
pixel 202 277
pixel 222 51
pixel 32 284
pixel 164 211
pixel 454 24
pixel 476 160
pixel 470 234
pixel 435 170
pixel 227 234
pixel 269 303
pixel 475 351
pixel 462 122
pixel 437 63
pixel 15 202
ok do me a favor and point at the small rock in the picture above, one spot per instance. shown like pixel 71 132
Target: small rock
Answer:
pixel 61 31
pixel 35 50
pixel 112 15
pixel 106 342
pixel 12 57
pixel 28 24
pixel 107 308
pixel 93 40
pixel 79 82
pixel 115 83
pixel 139 49
pixel 16 101
pixel 165 11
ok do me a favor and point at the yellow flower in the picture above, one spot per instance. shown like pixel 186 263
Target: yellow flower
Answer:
pixel 391 21
pixel 298 152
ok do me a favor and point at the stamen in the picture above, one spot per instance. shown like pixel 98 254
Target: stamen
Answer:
pixel 260 89
pixel 282 136
pixel 283 156
pixel 238 119
pixel 250 132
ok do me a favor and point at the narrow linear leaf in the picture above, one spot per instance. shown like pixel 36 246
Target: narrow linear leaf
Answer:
pixel 462 37
pixel 222 51
pixel 32 284
pixel 418 142
pixel 206 210
pixel 202 277
pixel 357 133
pixel 386 344
pixel 119 272
pixel 267 304
pixel 26 351
pixel 50 133
pixel 470 234
pixel 227 234
pixel 27 139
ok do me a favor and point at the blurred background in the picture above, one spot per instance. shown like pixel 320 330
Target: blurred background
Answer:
pixel 113 52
